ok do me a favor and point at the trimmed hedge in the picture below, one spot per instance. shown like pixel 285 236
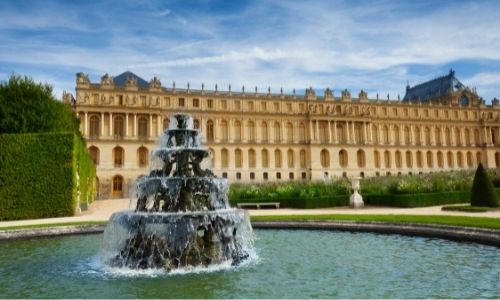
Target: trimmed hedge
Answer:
pixel 38 175
pixel 482 192
pixel 417 200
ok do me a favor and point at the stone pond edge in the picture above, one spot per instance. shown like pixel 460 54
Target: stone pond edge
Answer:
pixel 455 233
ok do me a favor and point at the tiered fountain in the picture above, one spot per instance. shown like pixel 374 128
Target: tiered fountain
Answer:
pixel 182 217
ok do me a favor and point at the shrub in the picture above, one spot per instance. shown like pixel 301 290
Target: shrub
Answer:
pixel 466 208
pixel 483 193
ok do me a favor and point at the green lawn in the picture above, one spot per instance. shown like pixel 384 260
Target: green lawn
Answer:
pixel 481 222
pixel 53 225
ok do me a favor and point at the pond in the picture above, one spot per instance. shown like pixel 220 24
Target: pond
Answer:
pixel 290 264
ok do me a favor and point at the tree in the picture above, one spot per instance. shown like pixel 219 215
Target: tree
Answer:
pixel 483 193
pixel 29 107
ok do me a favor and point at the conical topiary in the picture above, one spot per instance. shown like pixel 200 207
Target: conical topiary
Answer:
pixel 483 193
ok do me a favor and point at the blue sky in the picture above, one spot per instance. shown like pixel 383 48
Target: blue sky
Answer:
pixel 373 45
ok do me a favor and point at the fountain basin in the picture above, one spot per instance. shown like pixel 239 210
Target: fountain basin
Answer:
pixel 140 240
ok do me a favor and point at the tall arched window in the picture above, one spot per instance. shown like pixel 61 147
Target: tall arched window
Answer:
pixel 142 157
pixel 118 127
pixel 497 159
pixel 467 137
pixel 418 141
pixel 289 132
pixel 420 163
pixel 427 133
pixel 142 127
pixel 210 131
pixel 117 190
pixel 409 159
pixel 385 134
pixel 118 157
pixel 302 132
pixel 265 158
pixel 376 158
pixel 460 159
pixel 224 158
pixel 343 158
pixel 238 159
pixel 251 131
pixel 303 162
pixel 437 135
pixel 277 131
pixel 323 134
pixel 398 159
pixel 479 158
pixel 224 131
pixel 440 159
pixel 430 163
pixel 290 158
pixel 264 135
pixel 387 159
pixel 341 134
pixel 237 131
pixel 94 153
pixel 477 139
pixel 196 124
pixel 396 135
pixel 449 159
pixel 407 134
pixel 375 134
pixel 470 163
pixel 277 158
pixel 447 135
pixel 94 127
pixel 325 158
pixel 458 137
pixel 251 158
pixel 361 158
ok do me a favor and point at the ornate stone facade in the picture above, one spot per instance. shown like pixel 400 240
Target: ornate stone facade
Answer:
pixel 256 137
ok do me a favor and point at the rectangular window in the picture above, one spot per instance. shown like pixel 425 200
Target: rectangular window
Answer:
pixel 237 105
pixel 276 106
pixel 263 106
pixel 210 103
pixel 223 104
pixel 250 106
pixel 238 175
pixel 290 175
pixel 167 101
pixel 252 176
pixel 304 175
pixel 196 102
pixel 289 107
pixel 181 102
pixel 264 175
pixel 120 100
pixel 278 175
pixel 224 175
pixel 302 108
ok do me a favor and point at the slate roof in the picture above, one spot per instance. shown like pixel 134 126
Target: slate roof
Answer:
pixel 121 80
pixel 434 88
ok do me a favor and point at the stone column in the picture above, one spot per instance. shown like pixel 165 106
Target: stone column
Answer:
pixel 310 131
pixel 102 124
pixel 85 125
pixel 150 125
pixel 412 134
pixel 462 136
pixel 110 124
pixel 126 124
pixel 353 136
pixel 135 124
pixel 370 133
pixel 348 135
pixel 159 125
pixel 365 133
pixel 433 135
pixel 329 132
pixel 316 131
pixel 335 137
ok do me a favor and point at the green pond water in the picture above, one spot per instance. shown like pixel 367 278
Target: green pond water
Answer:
pixel 290 264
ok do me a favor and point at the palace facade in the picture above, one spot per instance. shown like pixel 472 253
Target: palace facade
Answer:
pixel 257 137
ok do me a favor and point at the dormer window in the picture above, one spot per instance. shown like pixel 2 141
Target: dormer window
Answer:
pixel 464 101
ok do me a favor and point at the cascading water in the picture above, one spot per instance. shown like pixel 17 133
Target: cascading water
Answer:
pixel 182 217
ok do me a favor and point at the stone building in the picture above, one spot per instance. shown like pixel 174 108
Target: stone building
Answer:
pixel 262 136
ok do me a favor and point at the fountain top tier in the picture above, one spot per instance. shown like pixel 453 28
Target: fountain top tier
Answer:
pixel 181 184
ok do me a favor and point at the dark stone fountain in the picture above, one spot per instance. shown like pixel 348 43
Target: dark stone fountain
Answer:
pixel 182 217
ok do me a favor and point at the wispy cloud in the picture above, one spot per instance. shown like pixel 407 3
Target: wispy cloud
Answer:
pixel 374 45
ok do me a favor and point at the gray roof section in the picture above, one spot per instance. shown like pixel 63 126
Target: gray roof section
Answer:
pixel 121 80
pixel 434 88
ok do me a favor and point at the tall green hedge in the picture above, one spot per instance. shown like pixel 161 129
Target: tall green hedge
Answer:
pixel 38 175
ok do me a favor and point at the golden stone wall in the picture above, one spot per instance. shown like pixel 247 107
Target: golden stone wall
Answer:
pixel 255 137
